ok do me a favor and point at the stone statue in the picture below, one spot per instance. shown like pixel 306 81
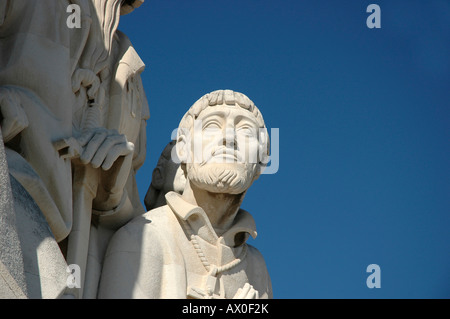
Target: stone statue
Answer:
pixel 31 264
pixel 195 246
pixel 73 113
pixel 166 177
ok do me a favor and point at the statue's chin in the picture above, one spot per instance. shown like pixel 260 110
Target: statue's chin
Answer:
pixel 219 188
pixel 223 179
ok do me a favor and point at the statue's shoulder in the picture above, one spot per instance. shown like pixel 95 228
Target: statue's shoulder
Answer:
pixel 122 37
pixel 154 225
pixel 257 272
pixel 255 258
pixel 253 252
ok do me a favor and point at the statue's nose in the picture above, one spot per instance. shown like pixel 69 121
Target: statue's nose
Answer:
pixel 229 138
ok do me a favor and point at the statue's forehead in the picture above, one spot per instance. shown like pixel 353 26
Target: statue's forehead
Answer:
pixel 226 111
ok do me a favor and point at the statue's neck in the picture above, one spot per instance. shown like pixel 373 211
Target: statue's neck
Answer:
pixel 221 209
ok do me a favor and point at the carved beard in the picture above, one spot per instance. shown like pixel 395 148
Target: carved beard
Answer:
pixel 228 178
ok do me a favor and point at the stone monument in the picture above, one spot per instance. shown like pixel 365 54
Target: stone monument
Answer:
pixel 73 113
pixel 195 246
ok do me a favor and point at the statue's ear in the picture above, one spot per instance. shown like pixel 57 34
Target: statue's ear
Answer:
pixel 182 147
pixel 264 146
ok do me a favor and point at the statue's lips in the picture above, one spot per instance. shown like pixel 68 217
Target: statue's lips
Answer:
pixel 226 156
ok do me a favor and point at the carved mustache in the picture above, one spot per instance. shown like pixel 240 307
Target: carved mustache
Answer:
pixel 223 150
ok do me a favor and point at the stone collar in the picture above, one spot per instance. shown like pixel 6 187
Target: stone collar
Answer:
pixel 243 224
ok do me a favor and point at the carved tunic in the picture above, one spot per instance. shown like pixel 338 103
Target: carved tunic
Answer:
pixel 154 256
pixel 36 65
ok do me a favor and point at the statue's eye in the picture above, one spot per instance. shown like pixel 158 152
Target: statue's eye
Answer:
pixel 211 125
pixel 246 130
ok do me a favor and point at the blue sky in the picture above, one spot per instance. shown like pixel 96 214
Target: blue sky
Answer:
pixel 363 116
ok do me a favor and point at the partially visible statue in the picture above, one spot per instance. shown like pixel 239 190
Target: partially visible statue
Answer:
pixel 195 246
pixel 166 177
pixel 73 113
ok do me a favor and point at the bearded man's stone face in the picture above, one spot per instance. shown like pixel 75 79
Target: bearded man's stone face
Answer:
pixel 224 150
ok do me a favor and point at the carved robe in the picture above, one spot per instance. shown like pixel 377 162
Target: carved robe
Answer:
pixel 36 65
pixel 128 113
pixel 40 57
pixel 37 57
pixel 153 256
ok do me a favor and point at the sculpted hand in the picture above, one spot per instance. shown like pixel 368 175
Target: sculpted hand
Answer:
pixel 113 153
pixel 246 292
pixel 13 117
pixel 102 147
